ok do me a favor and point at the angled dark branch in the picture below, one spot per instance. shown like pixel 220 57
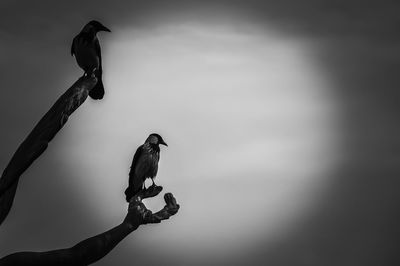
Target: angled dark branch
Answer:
pixel 37 141
pixel 93 249
pixel 137 207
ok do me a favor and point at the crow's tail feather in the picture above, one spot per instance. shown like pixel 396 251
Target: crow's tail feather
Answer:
pixel 97 93
pixel 130 192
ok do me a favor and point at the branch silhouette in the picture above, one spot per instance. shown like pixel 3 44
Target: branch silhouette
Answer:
pixel 37 141
pixel 92 249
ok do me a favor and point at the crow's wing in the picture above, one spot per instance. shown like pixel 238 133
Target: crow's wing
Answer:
pixel 98 52
pixel 73 45
pixel 137 174
pixel 97 92
pixel 134 185
pixel 134 164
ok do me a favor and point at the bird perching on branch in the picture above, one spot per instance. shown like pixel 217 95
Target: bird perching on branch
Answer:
pixel 86 48
pixel 144 164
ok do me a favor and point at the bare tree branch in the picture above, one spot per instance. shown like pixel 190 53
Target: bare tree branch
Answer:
pixel 37 141
pixel 92 249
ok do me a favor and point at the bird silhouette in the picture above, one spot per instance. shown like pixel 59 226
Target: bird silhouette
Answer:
pixel 144 164
pixel 86 48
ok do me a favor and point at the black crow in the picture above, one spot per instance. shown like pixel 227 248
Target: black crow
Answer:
pixel 86 48
pixel 144 164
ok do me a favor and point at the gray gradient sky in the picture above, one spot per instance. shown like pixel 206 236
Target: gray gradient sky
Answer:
pixel 281 120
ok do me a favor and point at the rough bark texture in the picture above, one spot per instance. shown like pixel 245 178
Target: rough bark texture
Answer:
pixel 92 249
pixel 37 141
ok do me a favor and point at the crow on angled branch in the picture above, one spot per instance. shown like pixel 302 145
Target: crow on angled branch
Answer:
pixel 144 164
pixel 86 48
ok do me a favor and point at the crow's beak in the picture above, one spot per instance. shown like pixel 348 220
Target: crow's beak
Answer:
pixel 103 28
pixel 162 142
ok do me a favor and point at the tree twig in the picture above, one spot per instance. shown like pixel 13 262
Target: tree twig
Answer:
pixel 37 141
pixel 137 207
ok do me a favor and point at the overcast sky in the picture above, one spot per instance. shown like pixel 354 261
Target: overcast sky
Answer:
pixel 281 120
